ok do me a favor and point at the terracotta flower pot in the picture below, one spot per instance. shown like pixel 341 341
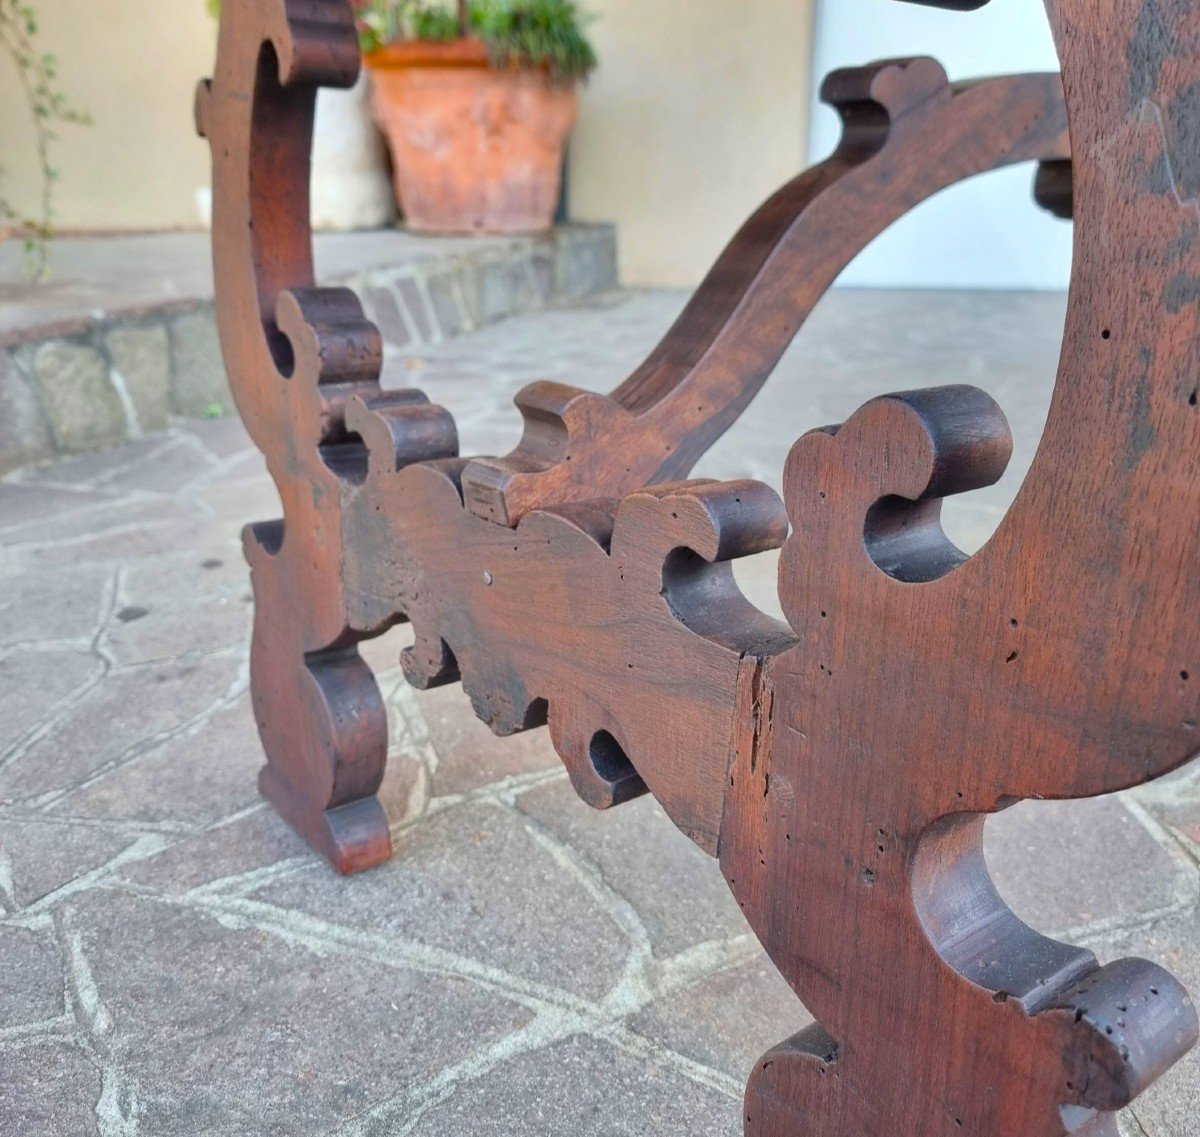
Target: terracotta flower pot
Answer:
pixel 475 149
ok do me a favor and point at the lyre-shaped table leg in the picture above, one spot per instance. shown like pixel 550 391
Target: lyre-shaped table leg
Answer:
pixel 842 766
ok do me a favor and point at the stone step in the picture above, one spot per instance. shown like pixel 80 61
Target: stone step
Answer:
pixel 121 339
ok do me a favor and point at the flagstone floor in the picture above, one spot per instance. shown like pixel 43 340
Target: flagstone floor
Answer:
pixel 173 961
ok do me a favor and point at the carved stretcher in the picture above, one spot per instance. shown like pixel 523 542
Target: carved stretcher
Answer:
pixel 841 766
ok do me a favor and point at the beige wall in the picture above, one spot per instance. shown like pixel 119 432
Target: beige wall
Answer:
pixel 699 110
pixel 133 66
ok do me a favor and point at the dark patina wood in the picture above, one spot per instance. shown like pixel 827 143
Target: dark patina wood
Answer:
pixel 908 133
pixel 841 766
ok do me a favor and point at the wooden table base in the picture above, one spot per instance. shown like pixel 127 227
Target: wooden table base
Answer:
pixel 840 766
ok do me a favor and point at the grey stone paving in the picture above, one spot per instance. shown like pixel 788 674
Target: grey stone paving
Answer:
pixel 174 962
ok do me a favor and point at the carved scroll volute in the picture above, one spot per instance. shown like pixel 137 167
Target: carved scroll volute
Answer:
pixel 289 350
pixel 928 690
pixel 619 625
pixel 729 338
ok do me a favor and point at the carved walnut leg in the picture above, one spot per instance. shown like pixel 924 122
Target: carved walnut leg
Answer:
pixel 853 836
pixel 928 689
pixel 296 356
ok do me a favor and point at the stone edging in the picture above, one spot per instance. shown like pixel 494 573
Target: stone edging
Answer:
pixel 124 377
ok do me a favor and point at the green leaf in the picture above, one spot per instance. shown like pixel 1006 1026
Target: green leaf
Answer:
pixel 518 33
pixel 47 107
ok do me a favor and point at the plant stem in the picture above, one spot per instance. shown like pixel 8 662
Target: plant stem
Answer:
pixel 464 18
pixel 36 74
pixel 19 49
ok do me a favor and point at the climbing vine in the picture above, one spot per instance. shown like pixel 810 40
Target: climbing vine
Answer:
pixel 37 73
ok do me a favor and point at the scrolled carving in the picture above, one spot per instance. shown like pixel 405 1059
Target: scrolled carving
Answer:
pixel 586 616
pixel 885 732
pixel 299 358
pixel 907 134
pixel 841 768
pixel 856 498
pixel 928 690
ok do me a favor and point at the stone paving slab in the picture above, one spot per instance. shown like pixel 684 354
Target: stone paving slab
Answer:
pixel 174 961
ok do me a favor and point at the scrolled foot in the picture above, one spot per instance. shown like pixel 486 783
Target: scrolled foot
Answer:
pixel 323 726
pixel 790 1093
pixel 352 837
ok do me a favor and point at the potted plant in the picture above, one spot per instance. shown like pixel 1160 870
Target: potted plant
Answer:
pixel 476 105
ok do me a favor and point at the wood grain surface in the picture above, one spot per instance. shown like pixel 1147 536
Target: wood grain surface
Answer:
pixel 841 766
